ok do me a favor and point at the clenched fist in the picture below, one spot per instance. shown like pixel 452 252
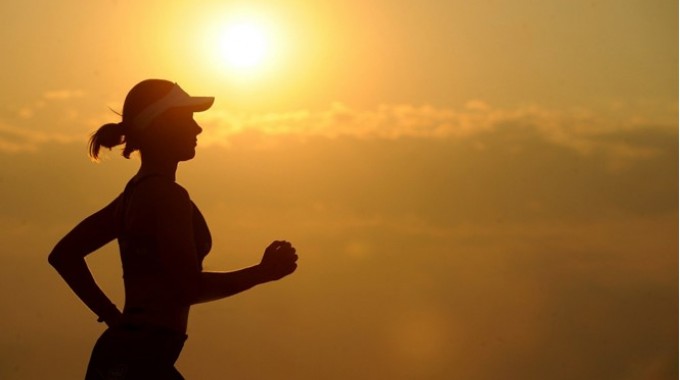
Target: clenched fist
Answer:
pixel 279 260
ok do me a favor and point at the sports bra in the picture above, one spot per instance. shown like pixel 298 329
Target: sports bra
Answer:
pixel 138 252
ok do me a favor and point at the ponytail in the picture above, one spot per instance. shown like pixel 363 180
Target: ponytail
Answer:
pixel 108 136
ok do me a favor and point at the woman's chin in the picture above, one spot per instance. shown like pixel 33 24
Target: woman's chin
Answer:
pixel 188 155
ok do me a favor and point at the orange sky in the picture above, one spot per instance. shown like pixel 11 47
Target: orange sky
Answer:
pixel 478 190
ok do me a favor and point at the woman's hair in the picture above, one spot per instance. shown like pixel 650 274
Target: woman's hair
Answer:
pixel 110 135
pixel 113 134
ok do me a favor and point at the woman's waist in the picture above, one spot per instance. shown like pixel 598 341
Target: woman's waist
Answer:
pixel 156 316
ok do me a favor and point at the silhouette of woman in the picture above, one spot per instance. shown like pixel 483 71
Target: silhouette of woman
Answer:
pixel 163 239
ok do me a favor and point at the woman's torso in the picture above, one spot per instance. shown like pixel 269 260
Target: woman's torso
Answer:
pixel 148 300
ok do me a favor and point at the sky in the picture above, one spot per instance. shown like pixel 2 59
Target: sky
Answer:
pixel 476 190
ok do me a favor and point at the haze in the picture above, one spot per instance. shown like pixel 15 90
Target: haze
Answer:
pixel 477 190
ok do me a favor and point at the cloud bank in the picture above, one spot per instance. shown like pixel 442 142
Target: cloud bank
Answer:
pixel 580 130
pixel 54 118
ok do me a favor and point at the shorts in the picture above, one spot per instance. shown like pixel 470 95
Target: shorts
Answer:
pixel 131 352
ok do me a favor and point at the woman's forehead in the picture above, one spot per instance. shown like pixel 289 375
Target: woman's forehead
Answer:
pixel 180 112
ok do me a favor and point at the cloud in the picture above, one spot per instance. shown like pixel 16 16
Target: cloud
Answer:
pixel 405 120
pixel 19 140
pixel 63 94
pixel 619 139
pixel 54 117
pixel 581 130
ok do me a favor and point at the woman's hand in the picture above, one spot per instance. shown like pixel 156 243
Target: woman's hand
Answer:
pixel 113 320
pixel 278 261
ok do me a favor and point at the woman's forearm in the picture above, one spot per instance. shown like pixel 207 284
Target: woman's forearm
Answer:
pixel 218 285
pixel 78 276
pixel 278 261
pixel 68 258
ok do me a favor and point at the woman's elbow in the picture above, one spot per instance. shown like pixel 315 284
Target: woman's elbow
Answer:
pixel 58 257
pixel 197 290
pixel 55 258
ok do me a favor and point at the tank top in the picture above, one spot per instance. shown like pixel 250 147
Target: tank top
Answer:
pixel 141 260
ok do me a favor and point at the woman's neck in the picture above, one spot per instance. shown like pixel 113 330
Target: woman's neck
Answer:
pixel 163 168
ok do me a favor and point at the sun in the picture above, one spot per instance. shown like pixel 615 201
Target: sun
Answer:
pixel 243 45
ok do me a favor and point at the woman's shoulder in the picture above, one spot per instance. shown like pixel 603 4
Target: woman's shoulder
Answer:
pixel 161 191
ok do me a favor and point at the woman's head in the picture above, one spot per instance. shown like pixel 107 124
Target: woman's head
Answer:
pixel 157 117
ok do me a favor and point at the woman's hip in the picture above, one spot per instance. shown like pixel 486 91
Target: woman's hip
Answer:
pixel 136 352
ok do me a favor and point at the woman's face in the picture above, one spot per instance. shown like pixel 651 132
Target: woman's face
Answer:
pixel 174 134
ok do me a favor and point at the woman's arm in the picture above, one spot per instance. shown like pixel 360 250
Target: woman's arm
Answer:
pixel 279 260
pixel 175 239
pixel 68 258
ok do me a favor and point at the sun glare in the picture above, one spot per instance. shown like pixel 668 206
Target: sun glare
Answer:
pixel 243 45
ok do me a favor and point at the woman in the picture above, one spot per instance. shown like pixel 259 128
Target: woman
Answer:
pixel 163 239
